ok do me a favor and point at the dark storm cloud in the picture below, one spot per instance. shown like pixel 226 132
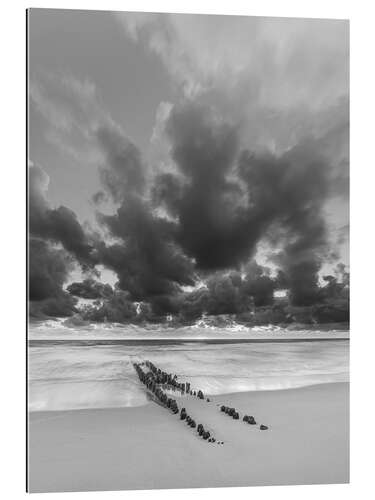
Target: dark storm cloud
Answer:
pixel 48 270
pixel 258 284
pixel 59 225
pixel 49 267
pixel 118 308
pixel 212 221
pixel 205 218
pixel 145 257
pixel 224 293
pixel 226 200
pixel 220 203
pixel 209 199
pixel 290 191
pixel 90 289
pixel 147 261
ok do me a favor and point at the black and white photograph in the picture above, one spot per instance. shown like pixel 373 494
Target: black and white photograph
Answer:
pixel 188 270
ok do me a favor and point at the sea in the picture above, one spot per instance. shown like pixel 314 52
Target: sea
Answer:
pixel 83 367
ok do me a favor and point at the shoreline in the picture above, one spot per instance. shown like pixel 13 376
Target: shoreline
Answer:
pixel 146 447
pixel 176 341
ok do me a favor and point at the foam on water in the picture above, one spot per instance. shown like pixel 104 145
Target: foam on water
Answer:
pixel 66 376
pixel 206 328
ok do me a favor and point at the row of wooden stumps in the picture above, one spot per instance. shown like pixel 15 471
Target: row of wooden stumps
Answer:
pixel 249 419
pixel 154 379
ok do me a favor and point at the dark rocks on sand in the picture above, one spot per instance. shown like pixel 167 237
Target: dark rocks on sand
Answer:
pixel 208 400
pixel 246 418
pixel 200 394
pixel 223 408
pixel 236 415
pixel 251 420
pixel 263 427
pixel 200 426
pixel 193 424
pixel 206 435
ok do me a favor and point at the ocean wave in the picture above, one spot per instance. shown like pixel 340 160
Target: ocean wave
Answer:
pixel 65 376
pixel 206 328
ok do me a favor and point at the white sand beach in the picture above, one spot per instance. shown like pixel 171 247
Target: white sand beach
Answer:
pixel 147 447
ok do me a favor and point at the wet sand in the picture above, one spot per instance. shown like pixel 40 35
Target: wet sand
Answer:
pixel 148 447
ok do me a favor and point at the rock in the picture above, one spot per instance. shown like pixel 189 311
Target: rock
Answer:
pixel 246 418
pixel 200 426
pixel 206 435
pixel 223 408
pixel 236 415
pixel 200 394
pixel 251 420
pixel 263 427
pixel 208 400
pixel 193 424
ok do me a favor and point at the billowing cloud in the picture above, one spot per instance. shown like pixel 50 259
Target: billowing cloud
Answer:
pixel 90 289
pixel 227 200
pixel 59 225
pixel 147 260
pixel 252 155
pixel 48 270
pixel 282 81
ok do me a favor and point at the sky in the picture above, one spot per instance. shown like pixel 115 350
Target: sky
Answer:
pixel 172 152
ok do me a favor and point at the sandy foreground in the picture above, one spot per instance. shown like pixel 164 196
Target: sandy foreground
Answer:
pixel 147 447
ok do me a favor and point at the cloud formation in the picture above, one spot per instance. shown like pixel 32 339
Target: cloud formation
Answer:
pixel 48 270
pixel 227 200
pixel 253 153
pixel 59 225
pixel 90 289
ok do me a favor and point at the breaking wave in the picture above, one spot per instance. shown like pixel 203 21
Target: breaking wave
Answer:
pixel 70 374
